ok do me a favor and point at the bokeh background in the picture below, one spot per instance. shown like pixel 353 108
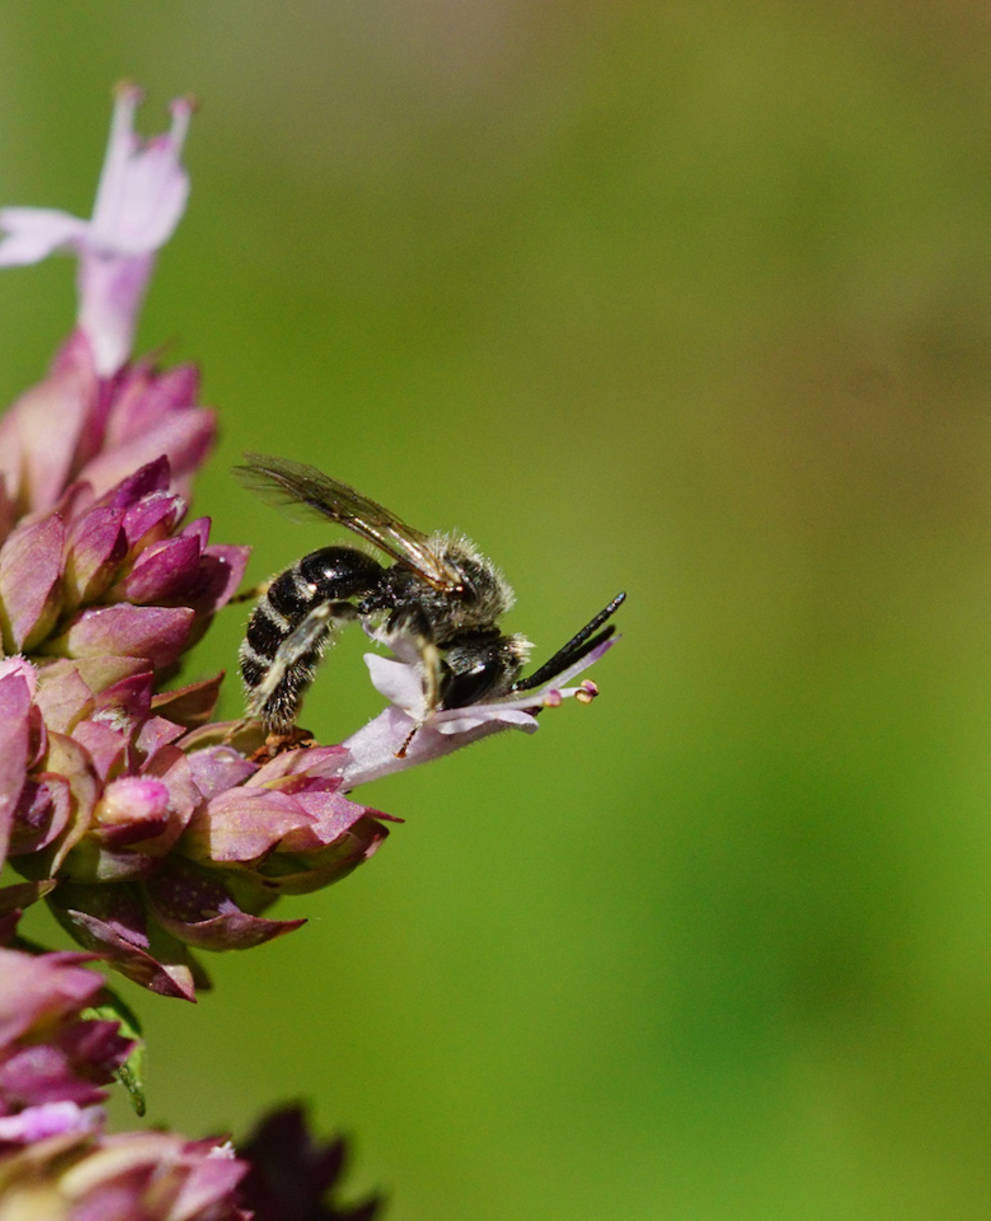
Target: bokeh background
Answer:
pixel 691 299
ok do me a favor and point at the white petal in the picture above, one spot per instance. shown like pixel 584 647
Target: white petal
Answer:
pixel 398 682
pixel 32 234
pixel 463 720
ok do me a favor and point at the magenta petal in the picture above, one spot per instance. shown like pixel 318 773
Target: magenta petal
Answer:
pixel 151 519
pixel 167 979
pixel 15 705
pixel 198 910
pixel 217 768
pixel 138 485
pixel 119 935
pixel 23 669
pixel 170 765
pixel 332 816
pixel 96 546
pixel 178 387
pixel 66 688
pixel 242 824
pixel 70 704
pixel 184 437
pixel 42 1073
pixel 41 434
pixel 36 987
pixel 156 733
pixel 49 1120
pixel 132 809
pixel 146 396
pixel 97 1044
pixel 318 762
pixel 42 814
pixel 68 760
pixel 75 355
pixel 162 573
pixel 208 1183
pixel 191 705
pixel 183 1180
pixel 220 572
pixel 231 931
pixel 198 528
pixel 155 633
pixel 104 745
pixel 30 566
pixel 126 703
pixel 325 866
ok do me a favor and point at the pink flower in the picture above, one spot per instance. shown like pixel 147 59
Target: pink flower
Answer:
pixel 58 1160
pixel 53 1061
pixel 140 199
pixel 75 427
pixel 150 838
pixel 152 832
pixel 119 575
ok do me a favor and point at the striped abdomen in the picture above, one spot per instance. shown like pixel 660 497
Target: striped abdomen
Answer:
pixel 290 625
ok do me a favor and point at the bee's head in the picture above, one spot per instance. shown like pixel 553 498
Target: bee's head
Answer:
pixel 484 593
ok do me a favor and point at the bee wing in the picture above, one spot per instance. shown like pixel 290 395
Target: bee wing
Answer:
pixel 296 483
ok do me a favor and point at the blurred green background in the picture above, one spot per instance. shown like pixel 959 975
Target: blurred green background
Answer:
pixel 691 299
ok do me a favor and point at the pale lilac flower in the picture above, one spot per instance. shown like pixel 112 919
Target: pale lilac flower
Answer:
pixel 140 199
pixel 97 418
pixel 404 734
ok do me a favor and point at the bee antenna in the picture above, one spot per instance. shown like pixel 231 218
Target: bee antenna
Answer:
pixel 579 646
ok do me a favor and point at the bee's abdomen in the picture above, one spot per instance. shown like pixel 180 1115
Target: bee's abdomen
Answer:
pixel 290 625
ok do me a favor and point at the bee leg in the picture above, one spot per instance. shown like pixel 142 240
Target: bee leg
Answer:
pixel 276 698
pixel 252 594
pixel 430 663
pixel 409 638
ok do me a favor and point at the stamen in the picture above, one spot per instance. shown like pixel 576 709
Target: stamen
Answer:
pixel 182 111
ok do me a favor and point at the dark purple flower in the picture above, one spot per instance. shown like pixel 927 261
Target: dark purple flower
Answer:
pixel 290 1175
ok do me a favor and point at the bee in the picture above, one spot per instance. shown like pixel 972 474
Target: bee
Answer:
pixel 437 605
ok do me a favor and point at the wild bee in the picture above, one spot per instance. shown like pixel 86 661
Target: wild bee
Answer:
pixel 436 605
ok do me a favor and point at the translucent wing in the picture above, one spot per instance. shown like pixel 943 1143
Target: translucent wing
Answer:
pixel 296 483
